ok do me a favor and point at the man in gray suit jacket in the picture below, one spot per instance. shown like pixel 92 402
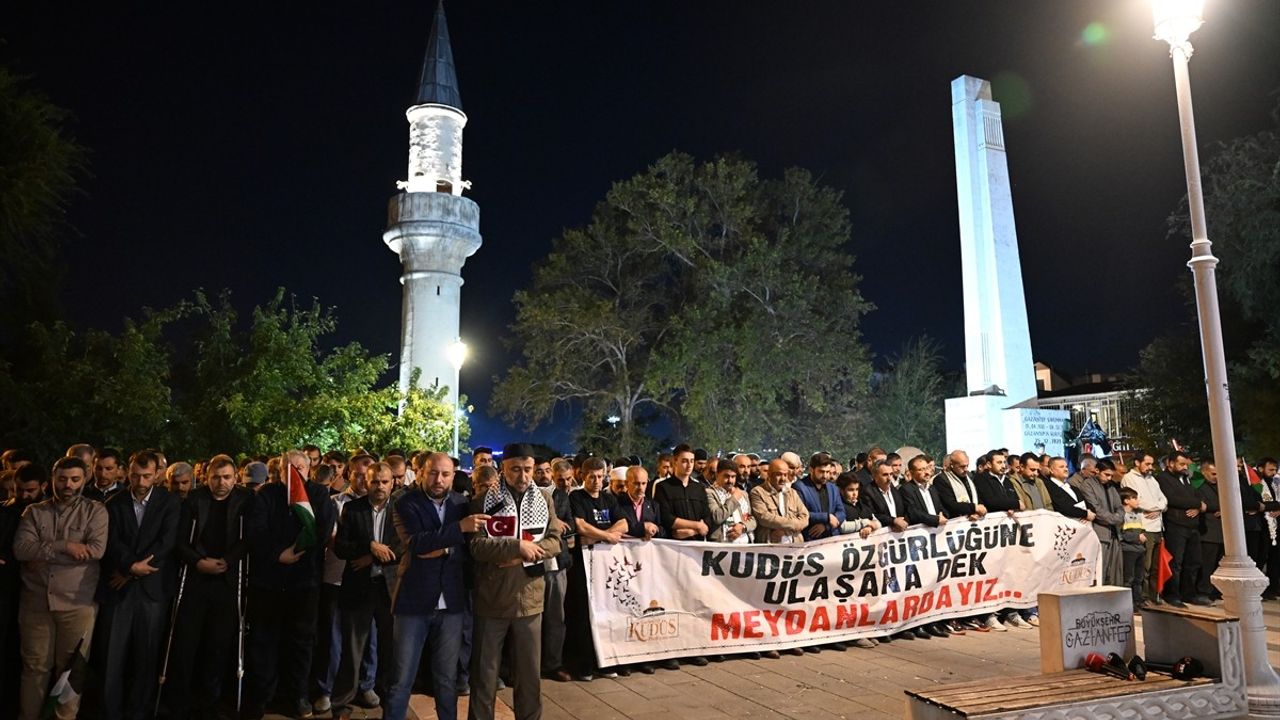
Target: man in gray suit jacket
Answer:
pixel 1096 481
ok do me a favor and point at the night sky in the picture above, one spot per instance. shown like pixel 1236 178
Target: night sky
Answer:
pixel 253 146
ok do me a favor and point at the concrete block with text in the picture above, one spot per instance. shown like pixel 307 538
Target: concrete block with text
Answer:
pixel 999 410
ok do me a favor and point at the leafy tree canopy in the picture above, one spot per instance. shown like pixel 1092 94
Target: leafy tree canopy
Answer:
pixel 702 292
pixel 242 388
pixel 1242 205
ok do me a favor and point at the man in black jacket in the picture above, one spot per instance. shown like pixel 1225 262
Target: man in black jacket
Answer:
pixel 1181 531
pixel 367 540
pixel 29 483
pixel 557 579
pixel 924 506
pixel 208 618
pixel 1066 499
pixel 286 559
pixel 995 487
pixel 137 583
pixel 957 490
pixel 882 499
pixel 682 501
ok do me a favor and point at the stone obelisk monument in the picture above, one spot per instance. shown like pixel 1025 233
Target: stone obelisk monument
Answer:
pixel 1000 409
pixel 430 225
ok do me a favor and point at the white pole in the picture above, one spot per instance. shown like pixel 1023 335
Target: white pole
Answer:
pixel 1237 577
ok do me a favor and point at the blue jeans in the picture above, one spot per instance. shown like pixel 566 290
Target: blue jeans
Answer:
pixel 441 632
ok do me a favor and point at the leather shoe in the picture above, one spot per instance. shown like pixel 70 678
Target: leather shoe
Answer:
pixel 811 649
pixel 936 631
pixel 669 664
pixel 904 635
pixel 771 654
pixel 646 668
pixel 922 633
pixel 793 651
pixel 560 676
pixel 697 661
pixel 1200 600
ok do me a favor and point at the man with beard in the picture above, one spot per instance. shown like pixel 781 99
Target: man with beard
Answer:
pixel 1181 531
pixel 1151 503
pixel 430 600
pixel 208 618
pixel 1096 482
pixel 108 475
pixel 957 491
pixel 29 485
pixel 140 581
pixel 509 553
pixel 596 518
pixel 367 541
pixel 287 560
pixel 780 515
pixel 746 467
pixel 821 498
pixel 60 543
pixel 924 507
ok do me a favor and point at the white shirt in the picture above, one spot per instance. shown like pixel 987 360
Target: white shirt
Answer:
pixel 334 565
pixel 1066 486
pixel 379 516
pixel 440 604
pixel 1150 497
pixel 888 499
pixel 928 499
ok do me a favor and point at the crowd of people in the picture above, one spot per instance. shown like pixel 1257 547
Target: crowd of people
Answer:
pixel 192 589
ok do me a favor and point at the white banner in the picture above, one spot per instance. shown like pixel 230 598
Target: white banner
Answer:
pixel 667 599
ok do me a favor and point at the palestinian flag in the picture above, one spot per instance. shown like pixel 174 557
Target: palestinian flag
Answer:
pixel 300 504
pixel 1197 477
pixel 1254 478
pixel 68 685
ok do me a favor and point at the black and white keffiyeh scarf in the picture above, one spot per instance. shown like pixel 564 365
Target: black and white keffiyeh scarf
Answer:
pixel 529 512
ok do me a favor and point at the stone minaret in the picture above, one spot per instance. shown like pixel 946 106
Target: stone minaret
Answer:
pixel 430 225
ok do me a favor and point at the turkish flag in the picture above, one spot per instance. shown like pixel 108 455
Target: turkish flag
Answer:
pixel 501 526
pixel 1164 573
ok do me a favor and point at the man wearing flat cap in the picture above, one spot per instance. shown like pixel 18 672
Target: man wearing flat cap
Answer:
pixel 509 553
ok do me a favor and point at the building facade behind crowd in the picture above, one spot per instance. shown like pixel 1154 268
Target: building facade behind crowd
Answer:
pixel 322 582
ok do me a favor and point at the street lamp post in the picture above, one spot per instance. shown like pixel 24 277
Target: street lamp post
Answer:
pixel 457 355
pixel 1237 577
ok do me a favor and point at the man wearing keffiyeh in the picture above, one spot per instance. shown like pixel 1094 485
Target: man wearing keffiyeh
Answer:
pixel 509 553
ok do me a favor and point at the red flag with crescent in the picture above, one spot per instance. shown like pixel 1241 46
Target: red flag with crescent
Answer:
pixel 501 526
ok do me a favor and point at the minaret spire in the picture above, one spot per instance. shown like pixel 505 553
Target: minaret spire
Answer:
pixel 438 84
pixel 431 226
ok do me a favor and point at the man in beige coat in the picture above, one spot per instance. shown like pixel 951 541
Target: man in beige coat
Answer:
pixel 60 543
pixel 509 553
pixel 780 515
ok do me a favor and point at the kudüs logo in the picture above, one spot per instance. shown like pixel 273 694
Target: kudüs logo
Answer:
pixel 646 623
pixel 1077 571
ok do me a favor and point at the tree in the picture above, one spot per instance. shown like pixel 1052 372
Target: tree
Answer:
pixel 1168 398
pixel 700 291
pixel 229 387
pixel 1242 206
pixel 40 167
pixel 908 402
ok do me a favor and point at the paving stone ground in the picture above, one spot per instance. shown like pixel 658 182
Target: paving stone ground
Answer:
pixel 857 683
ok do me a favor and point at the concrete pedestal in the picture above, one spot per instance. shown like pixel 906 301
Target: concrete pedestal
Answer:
pixel 1074 623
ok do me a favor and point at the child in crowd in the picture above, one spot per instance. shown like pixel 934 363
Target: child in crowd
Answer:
pixel 1132 544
